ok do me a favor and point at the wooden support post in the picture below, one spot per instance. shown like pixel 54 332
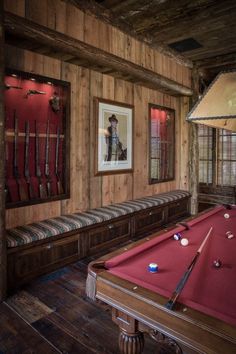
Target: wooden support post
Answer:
pixel 2 166
pixel 193 148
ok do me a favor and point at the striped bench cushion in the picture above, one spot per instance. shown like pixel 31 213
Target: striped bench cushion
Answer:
pixel 22 235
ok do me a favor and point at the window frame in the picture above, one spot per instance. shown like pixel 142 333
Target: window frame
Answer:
pixel 216 160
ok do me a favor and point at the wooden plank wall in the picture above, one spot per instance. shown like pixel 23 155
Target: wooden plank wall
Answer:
pixel 2 167
pixel 87 190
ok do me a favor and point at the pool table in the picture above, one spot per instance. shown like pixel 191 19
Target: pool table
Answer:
pixel 203 319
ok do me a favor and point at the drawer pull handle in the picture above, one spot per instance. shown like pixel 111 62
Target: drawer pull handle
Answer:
pixel 111 226
pixel 49 246
pixel 150 213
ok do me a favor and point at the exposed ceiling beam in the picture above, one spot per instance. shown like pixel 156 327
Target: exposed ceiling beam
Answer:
pixel 221 60
pixel 32 36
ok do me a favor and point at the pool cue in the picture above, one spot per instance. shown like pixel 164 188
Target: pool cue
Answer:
pixel 171 302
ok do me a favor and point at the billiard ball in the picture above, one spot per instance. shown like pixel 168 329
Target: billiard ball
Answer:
pixel 229 236
pixel 217 263
pixel 184 242
pixel 226 216
pixel 153 267
pixel 177 236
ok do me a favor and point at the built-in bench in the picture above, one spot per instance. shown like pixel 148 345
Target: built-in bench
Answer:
pixel 46 245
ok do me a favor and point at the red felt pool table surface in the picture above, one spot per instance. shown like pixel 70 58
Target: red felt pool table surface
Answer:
pixel 210 290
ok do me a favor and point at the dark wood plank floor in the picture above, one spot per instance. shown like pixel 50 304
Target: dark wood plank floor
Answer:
pixel 53 315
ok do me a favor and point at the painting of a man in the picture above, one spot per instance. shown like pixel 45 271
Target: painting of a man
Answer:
pixel 115 151
pixel 114 137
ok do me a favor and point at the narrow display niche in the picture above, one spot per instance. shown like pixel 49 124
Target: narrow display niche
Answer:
pixel 162 144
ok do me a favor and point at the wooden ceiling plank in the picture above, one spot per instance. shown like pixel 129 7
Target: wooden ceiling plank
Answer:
pixel 176 15
pixel 202 24
pixel 220 60
pixel 24 29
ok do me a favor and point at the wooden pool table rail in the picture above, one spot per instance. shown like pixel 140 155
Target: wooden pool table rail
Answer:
pixel 137 310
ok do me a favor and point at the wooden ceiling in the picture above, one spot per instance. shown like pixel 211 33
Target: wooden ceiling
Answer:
pixel 212 23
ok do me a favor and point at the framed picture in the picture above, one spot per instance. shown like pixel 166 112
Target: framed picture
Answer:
pixel 114 137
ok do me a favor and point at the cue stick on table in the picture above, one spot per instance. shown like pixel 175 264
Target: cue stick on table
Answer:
pixel 171 302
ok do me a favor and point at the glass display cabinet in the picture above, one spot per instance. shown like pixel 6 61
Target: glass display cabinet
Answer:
pixel 162 144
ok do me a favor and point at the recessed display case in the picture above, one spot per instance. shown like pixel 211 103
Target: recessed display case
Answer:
pixel 37 141
pixel 162 144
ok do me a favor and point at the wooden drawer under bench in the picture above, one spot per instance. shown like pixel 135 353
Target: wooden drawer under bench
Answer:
pixel 29 261
pixel 26 262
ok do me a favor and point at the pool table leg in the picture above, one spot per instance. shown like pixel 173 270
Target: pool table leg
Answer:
pixel 131 343
pixel 131 340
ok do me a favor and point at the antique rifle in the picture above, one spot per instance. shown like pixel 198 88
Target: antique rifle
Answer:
pixel 47 170
pixel 42 189
pixel 35 92
pixel 21 191
pixel 27 173
pixel 59 184
pixel 8 87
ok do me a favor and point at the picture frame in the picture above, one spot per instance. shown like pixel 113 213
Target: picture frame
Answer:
pixel 114 137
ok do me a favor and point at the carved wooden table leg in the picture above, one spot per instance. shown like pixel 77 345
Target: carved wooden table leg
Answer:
pixel 131 343
pixel 131 340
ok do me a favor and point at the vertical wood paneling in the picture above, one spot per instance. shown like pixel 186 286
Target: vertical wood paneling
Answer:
pixel 158 62
pixel 71 73
pixel 95 190
pixel 140 175
pixel 149 58
pixel 104 39
pixel 117 44
pixel 166 66
pixel 66 18
pixel 108 181
pixel 3 266
pixel 129 50
pixel 37 11
pixel 33 62
pixel 59 13
pixel 91 30
pixel 123 182
pixel 74 22
pixel 14 57
pixel 81 135
pixel 173 70
pixel 88 190
pixel 17 7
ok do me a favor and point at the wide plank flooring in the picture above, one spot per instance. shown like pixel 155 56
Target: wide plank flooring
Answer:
pixel 53 315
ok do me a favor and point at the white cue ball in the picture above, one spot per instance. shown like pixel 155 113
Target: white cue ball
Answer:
pixel 226 216
pixel 184 242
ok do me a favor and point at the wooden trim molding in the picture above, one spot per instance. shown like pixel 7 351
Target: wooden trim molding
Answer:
pixel 29 35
